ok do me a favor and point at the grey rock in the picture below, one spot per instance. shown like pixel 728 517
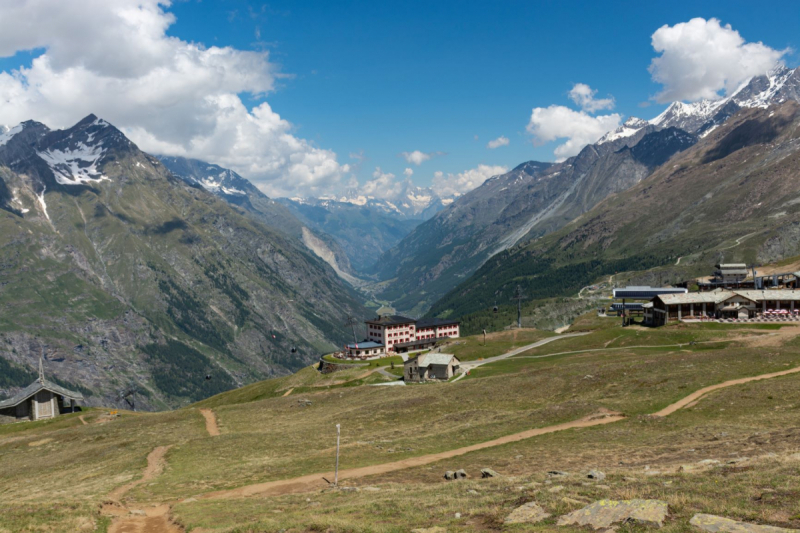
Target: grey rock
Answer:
pixel 718 524
pixel 138 512
pixel 596 475
pixel 488 472
pixel 461 474
pixel 603 513
pixel 449 475
pixel 529 513
pixel 557 473
pixel 349 489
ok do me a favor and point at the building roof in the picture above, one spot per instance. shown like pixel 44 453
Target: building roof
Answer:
pixel 390 320
pixel 428 359
pixel 731 265
pixel 365 345
pixel 712 297
pixel 35 387
pixel 632 306
pixel 770 295
pixel 645 293
pixel 431 322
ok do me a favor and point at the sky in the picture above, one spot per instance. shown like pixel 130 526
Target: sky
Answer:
pixel 311 98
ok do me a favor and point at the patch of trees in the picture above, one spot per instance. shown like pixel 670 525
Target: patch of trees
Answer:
pixel 180 370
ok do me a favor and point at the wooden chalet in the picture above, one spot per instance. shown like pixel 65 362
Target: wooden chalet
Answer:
pixel 40 400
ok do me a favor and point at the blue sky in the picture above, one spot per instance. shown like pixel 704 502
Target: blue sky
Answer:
pixel 380 78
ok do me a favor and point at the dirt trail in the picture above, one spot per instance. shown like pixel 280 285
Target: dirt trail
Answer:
pixel 155 465
pixel 85 423
pixel 315 481
pixel 685 402
pixel 288 392
pixel 211 422
pixel 144 518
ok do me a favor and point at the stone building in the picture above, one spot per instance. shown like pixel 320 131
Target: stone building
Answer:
pixel 40 400
pixel 430 366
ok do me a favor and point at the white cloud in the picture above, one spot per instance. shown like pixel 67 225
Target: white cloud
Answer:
pixel 463 182
pixel 578 127
pixel 583 95
pixel 701 57
pixel 417 158
pixel 497 143
pixel 114 59
pixel 408 172
pixel 382 185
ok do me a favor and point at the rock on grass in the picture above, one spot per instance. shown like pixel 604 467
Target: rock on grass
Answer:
pixel 601 514
pixel 529 513
pixel 718 524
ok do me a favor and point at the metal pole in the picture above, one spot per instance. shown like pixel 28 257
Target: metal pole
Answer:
pixel 519 313
pixel 484 337
pixel 336 473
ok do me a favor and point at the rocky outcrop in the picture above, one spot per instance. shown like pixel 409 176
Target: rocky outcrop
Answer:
pixel 604 513
pixel 529 513
pixel 718 524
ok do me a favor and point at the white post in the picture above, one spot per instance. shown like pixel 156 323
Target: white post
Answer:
pixel 336 473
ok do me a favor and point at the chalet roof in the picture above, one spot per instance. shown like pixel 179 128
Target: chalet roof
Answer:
pixel 428 359
pixel 37 386
pixel 391 320
pixel 723 266
pixel 430 322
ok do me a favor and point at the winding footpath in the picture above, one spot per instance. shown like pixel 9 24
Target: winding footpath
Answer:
pixel 211 422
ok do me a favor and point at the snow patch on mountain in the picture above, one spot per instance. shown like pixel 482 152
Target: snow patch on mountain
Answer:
pixel 216 184
pixel 628 128
pixel 8 133
pixel 75 166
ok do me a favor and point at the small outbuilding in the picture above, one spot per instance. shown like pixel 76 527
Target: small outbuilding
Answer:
pixel 431 366
pixel 40 400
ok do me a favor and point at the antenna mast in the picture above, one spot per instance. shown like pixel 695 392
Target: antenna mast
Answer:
pixel 351 323
pixel 519 296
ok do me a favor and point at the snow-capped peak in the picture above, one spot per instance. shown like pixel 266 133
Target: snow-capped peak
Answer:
pixel 75 165
pixel 628 128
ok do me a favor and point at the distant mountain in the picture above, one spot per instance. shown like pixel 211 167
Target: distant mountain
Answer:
pixel 366 226
pixel 238 191
pixel 363 231
pixel 121 273
pixel 734 196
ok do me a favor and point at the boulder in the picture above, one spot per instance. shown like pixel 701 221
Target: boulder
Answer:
pixel 449 475
pixel 718 524
pixel 596 475
pixel 461 474
pixel 601 514
pixel 488 472
pixel 529 513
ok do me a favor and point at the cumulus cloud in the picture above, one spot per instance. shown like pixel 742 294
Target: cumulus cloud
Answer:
pixel 463 182
pixel 417 158
pixel 382 185
pixel 497 143
pixel 701 57
pixel 408 172
pixel 578 127
pixel 583 95
pixel 170 96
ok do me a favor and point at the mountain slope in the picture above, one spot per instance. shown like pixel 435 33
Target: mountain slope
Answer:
pixel 733 197
pixel 531 200
pixel 119 272
pixel 237 190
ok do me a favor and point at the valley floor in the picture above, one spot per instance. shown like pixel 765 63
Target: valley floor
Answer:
pixel 705 417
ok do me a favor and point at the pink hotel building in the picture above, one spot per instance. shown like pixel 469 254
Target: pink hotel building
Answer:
pixel 395 333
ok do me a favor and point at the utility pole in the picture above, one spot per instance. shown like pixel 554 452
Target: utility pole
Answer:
pixel 519 296
pixel 351 322
pixel 336 473
pixel 484 337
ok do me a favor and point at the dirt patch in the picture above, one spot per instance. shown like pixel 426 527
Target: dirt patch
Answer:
pixel 83 420
pixel 211 422
pixel 288 392
pixel 147 520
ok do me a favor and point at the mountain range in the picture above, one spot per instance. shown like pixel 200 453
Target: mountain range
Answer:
pixel 122 274
pixel 535 199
